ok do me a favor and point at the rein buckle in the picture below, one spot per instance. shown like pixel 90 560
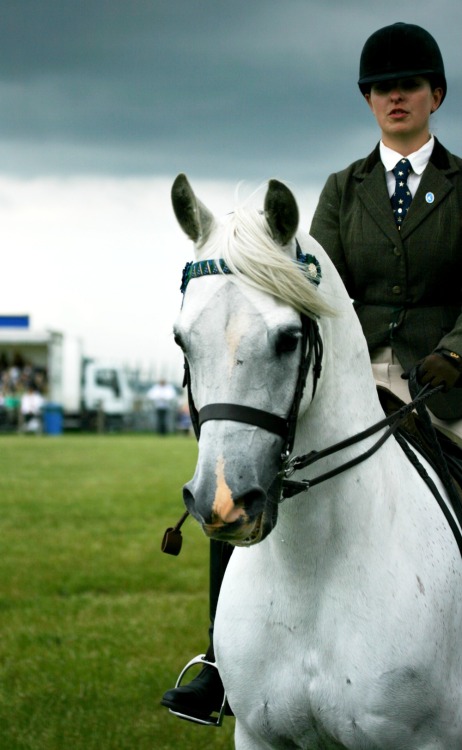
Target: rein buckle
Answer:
pixel 289 467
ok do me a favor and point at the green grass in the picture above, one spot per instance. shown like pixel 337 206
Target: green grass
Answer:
pixel 95 622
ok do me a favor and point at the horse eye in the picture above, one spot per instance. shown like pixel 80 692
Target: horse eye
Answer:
pixel 287 341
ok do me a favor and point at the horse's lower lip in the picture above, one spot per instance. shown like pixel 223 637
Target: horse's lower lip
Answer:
pixel 255 536
pixel 243 536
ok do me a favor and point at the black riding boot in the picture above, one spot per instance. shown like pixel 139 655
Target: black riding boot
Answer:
pixel 204 694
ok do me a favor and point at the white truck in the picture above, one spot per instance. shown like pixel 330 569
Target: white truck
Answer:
pixel 92 394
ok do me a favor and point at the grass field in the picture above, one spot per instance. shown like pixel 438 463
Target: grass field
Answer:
pixel 95 621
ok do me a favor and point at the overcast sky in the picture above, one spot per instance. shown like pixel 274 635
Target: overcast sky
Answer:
pixel 102 103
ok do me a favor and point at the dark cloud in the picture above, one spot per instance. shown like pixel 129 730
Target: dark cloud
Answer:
pixel 238 89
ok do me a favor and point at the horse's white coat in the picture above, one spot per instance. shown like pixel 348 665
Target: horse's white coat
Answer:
pixel 342 629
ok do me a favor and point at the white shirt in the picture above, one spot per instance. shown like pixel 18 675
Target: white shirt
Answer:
pixel 419 160
pixel 31 403
pixel 162 394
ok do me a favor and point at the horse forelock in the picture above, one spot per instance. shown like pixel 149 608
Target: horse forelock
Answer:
pixel 244 241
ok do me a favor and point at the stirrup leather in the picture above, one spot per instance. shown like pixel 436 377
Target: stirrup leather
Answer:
pixel 211 722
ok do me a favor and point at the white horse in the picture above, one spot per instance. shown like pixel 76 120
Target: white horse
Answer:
pixel 339 623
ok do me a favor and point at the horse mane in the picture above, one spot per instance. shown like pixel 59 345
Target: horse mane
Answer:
pixel 244 242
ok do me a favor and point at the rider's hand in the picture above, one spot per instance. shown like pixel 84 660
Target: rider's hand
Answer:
pixel 437 369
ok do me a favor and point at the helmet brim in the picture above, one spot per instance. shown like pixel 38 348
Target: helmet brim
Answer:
pixel 366 82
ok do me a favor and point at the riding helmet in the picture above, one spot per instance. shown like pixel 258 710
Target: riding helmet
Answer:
pixel 401 50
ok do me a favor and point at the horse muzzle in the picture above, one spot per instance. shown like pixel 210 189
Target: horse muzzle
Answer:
pixel 244 522
pixel 241 533
pixel 232 491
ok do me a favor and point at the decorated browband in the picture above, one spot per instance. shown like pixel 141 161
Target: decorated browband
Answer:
pixel 308 263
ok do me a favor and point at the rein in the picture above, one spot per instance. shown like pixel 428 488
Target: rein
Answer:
pixel 311 354
pixel 439 463
pixel 291 488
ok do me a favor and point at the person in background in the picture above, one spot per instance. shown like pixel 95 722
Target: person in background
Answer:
pixel 163 396
pixel 32 403
pixel 391 223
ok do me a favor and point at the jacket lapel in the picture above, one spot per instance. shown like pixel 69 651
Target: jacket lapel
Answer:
pixel 373 193
pixel 433 189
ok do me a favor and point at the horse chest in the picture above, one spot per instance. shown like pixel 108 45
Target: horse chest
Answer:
pixel 295 694
pixel 293 730
pixel 291 708
pixel 307 704
pixel 304 672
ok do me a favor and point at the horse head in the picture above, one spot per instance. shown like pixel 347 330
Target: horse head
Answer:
pixel 248 300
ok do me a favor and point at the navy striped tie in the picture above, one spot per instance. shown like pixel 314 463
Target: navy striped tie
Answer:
pixel 401 198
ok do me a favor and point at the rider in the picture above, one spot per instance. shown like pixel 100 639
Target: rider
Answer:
pixel 405 278
pixel 405 274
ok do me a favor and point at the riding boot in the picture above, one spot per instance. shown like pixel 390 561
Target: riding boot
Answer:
pixel 204 694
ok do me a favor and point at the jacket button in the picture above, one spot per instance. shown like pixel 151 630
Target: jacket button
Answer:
pixel 397 252
pixel 396 289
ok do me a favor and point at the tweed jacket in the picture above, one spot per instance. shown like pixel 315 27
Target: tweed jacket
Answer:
pixel 406 285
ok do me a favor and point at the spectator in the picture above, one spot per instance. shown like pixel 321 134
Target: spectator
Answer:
pixel 163 396
pixel 31 408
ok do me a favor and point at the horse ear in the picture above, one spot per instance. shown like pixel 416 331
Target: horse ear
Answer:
pixel 193 217
pixel 281 212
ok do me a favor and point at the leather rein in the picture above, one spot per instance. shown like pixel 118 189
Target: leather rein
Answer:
pixel 312 349
pixel 392 423
pixel 312 343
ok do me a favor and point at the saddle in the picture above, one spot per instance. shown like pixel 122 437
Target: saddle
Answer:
pixel 442 453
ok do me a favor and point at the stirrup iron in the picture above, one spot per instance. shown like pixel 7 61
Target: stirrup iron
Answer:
pixel 211 722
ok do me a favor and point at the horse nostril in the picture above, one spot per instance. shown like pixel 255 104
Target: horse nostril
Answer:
pixel 252 501
pixel 246 506
pixel 188 499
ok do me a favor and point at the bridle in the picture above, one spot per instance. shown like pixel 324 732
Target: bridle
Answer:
pixel 310 358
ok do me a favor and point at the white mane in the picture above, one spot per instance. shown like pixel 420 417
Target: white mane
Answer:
pixel 245 244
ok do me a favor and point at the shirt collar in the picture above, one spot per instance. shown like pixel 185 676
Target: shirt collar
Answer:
pixel 419 159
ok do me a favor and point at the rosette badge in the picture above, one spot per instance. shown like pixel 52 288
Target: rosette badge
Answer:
pixel 310 266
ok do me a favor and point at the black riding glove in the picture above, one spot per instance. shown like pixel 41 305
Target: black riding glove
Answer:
pixel 439 368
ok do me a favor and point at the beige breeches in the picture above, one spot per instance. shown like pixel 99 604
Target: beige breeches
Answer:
pixel 387 372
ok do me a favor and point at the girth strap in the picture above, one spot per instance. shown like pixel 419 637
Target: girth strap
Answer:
pixel 246 414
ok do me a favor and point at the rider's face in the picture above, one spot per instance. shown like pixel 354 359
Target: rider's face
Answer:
pixel 402 108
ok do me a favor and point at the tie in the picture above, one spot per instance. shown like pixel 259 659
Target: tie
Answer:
pixel 401 198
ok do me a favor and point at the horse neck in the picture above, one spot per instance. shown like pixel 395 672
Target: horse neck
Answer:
pixel 345 404
pixel 346 401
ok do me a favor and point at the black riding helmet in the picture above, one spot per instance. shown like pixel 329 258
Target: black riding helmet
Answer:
pixel 401 50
